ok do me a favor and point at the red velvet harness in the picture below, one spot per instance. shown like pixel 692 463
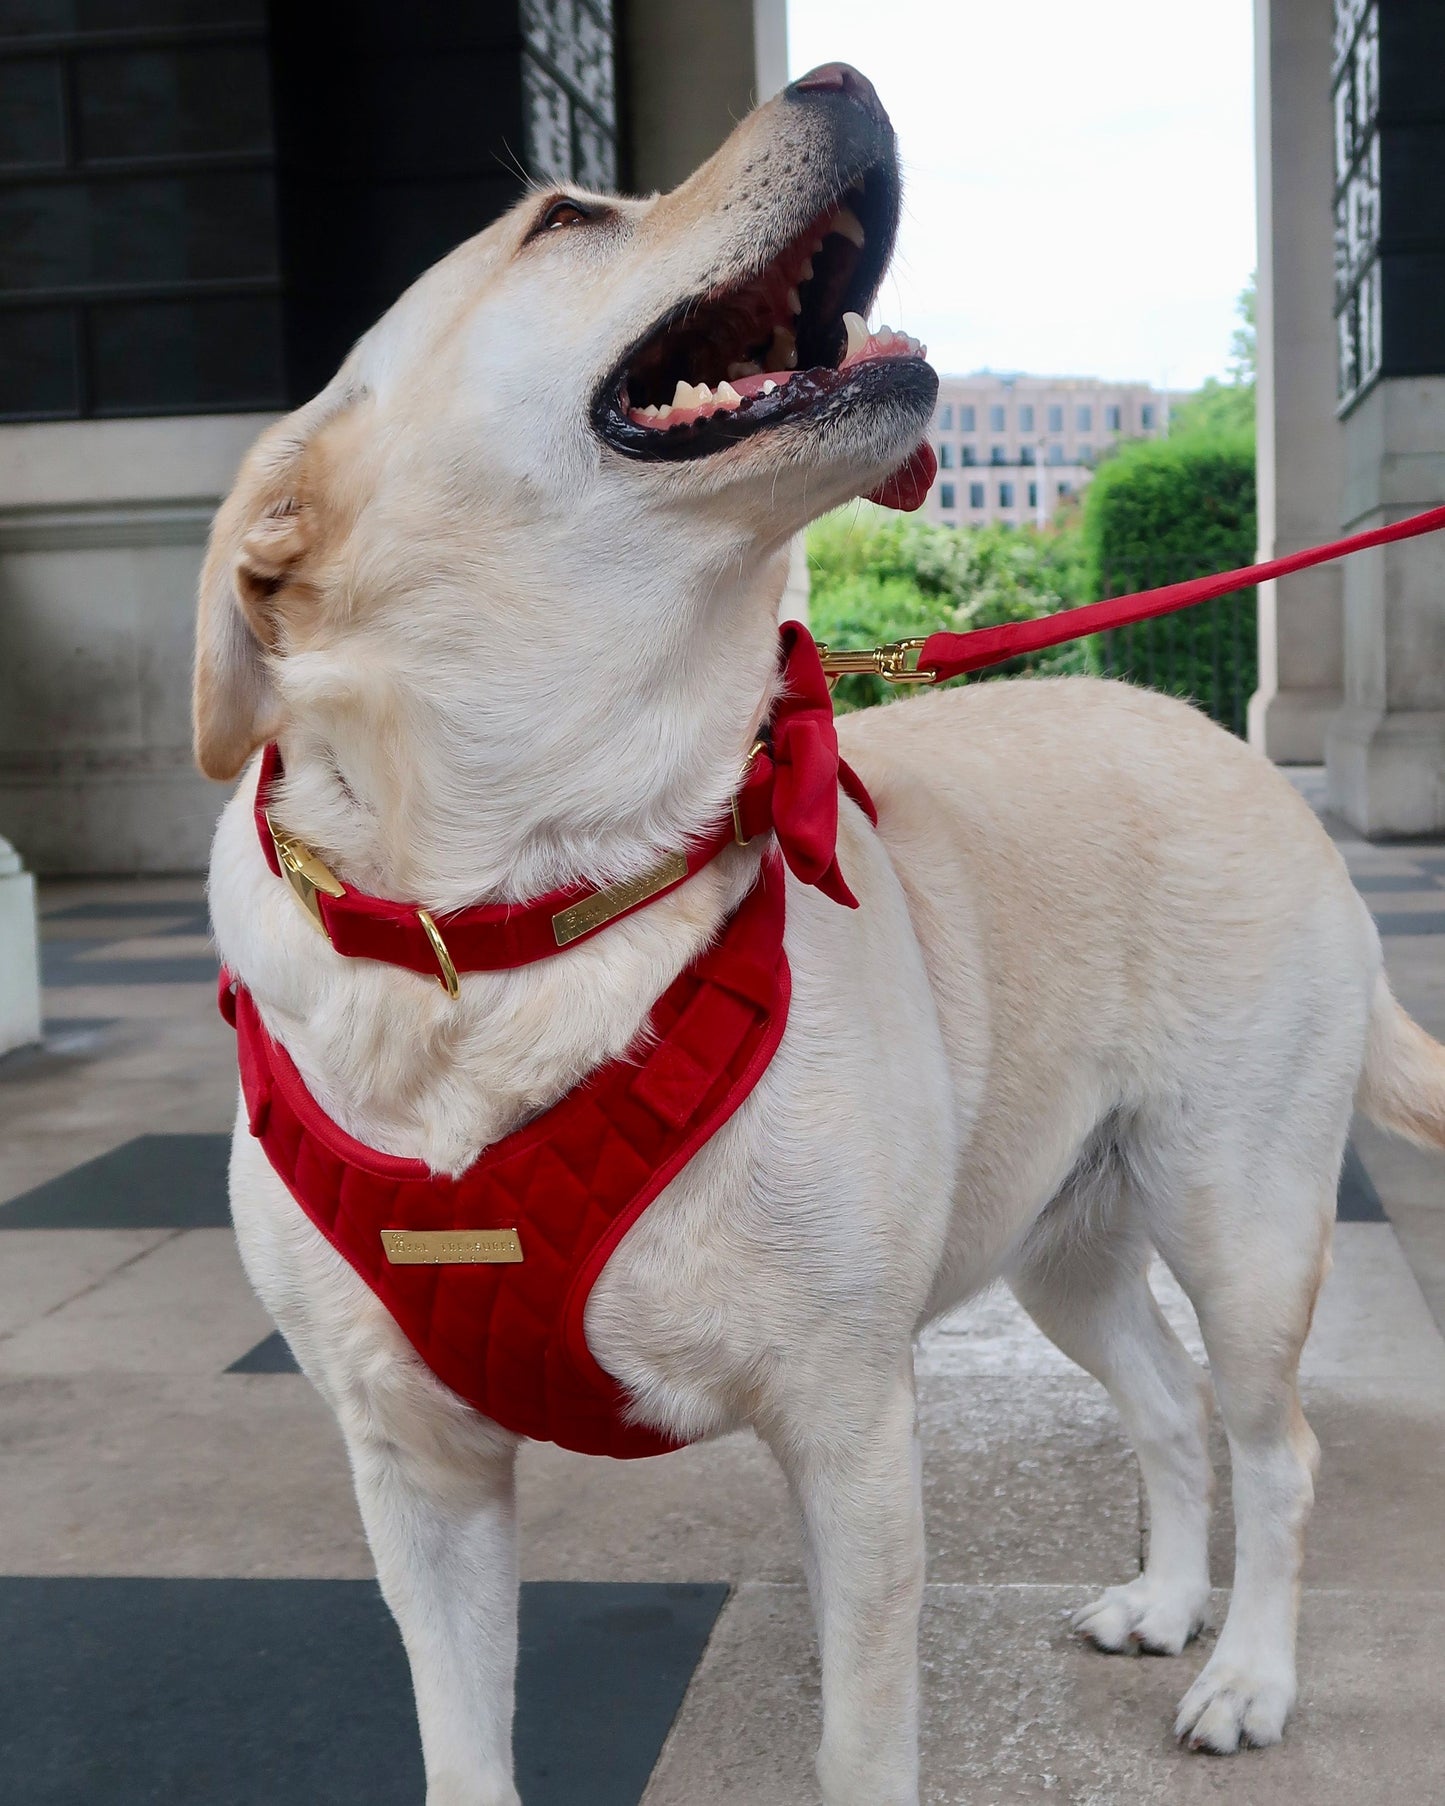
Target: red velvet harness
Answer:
pixel 509 1338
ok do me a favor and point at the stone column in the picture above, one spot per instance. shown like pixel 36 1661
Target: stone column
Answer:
pixel 19 954
pixel 1385 752
pixel 1299 453
pixel 692 72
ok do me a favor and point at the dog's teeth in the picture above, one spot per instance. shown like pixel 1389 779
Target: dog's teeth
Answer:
pixel 805 270
pixel 664 410
pixel 726 395
pixel 847 224
pixel 884 335
pixel 795 304
pixel 684 396
pixel 702 396
pixel 769 386
pixel 857 334
pixel 744 367
pixel 783 353
pixel 650 411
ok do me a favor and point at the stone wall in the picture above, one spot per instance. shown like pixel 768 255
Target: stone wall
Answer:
pixel 102 529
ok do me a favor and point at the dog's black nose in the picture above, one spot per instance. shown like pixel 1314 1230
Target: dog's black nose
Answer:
pixel 841 78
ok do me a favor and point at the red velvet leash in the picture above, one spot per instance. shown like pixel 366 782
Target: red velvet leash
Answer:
pixel 945 655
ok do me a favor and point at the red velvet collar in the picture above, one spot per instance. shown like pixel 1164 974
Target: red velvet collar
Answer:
pixel 790 790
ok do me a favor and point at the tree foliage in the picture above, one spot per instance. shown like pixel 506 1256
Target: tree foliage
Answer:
pixel 878 577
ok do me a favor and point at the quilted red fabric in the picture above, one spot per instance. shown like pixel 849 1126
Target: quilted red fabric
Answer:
pixel 510 1339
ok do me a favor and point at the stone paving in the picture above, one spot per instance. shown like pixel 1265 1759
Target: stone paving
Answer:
pixel 182 1569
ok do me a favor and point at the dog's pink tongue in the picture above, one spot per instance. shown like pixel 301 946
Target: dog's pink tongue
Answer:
pixel 910 483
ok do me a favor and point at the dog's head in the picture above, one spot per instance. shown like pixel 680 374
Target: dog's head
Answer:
pixel 570 443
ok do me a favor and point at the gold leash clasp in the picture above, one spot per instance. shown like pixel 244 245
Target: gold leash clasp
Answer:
pixel 895 663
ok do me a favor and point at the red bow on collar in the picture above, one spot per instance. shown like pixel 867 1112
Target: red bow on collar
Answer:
pixel 791 791
pixel 808 770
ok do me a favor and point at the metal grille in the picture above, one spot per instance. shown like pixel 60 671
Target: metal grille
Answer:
pixel 1355 83
pixel 1207 654
pixel 569 91
pixel 138 246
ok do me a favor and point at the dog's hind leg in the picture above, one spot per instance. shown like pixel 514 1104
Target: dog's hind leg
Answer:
pixel 1253 1279
pixel 439 1516
pixel 852 1461
pixel 1086 1286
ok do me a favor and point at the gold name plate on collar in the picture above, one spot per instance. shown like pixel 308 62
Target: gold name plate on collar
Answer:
pixel 571 924
pixel 452 1247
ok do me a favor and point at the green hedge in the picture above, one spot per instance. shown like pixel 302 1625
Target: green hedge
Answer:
pixel 1160 511
pixel 877 577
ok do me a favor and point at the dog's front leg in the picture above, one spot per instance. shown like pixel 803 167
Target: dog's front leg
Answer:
pixel 440 1518
pixel 853 1464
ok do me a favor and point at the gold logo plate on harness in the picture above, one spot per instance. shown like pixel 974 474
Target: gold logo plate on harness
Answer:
pixel 452 1247
pixel 571 924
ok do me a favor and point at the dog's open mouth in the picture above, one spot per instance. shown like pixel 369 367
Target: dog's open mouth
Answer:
pixel 785 343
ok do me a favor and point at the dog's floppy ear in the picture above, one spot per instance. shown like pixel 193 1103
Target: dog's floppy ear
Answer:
pixel 258 542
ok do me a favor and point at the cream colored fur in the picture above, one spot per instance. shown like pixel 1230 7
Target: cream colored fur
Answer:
pixel 1109 988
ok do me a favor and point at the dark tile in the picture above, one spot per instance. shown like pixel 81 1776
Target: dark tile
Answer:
pixel 1383 882
pixel 296 1692
pixel 1425 922
pixel 102 912
pixel 271 1356
pixel 1358 1201
pixel 61 967
pixel 61 1028
pixel 153 1182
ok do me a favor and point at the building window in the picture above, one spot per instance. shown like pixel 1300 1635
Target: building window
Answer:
pixel 1033 495
pixel 997 454
pixel 945 418
pixel 1146 416
pixel 1056 454
pixel 139 272
pixel 966 420
pixel 1113 419
pixel 997 420
pixel 946 495
pixel 968 454
pixel 1085 454
pixel 945 456
pixel 1026 417
pixel 1084 418
pixel 1065 490
pixel 1027 454
pixel 975 495
pixel 1005 495
pixel 1056 420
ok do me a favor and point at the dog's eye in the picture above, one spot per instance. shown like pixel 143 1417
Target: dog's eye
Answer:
pixel 559 214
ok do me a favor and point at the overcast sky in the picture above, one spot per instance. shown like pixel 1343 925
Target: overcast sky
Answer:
pixel 1079 176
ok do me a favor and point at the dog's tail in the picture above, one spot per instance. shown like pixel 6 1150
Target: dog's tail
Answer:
pixel 1403 1084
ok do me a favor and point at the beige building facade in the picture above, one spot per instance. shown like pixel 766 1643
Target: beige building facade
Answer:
pixel 1016 448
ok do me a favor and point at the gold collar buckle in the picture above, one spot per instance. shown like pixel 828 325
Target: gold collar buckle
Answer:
pixel 304 872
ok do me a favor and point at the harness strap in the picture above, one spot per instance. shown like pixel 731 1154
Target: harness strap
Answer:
pixel 506 1331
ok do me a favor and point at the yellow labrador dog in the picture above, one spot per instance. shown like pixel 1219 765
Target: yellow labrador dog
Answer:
pixel 506 593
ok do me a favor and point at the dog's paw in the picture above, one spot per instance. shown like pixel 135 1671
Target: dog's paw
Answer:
pixel 1141 1618
pixel 1229 1708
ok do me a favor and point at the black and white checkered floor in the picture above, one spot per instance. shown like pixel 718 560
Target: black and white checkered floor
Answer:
pixel 186 1608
